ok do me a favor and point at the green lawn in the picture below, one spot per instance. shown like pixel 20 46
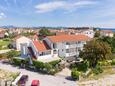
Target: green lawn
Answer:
pixel 4 43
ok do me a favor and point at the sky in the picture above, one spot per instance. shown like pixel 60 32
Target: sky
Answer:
pixel 67 13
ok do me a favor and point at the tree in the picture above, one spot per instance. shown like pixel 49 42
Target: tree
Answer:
pixel 12 54
pixel 75 74
pixel 97 33
pixel 45 32
pixel 110 41
pixel 95 51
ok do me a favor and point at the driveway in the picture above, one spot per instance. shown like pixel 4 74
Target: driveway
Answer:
pixel 45 80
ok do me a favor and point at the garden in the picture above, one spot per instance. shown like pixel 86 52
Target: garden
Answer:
pixel 98 61
pixel 4 43
pixel 7 77
pixel 38 66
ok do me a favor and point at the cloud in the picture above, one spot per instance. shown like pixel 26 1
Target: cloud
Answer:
pixel 63 5
pixel 2 15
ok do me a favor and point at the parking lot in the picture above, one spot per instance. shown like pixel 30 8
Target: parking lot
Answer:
pixel 45 80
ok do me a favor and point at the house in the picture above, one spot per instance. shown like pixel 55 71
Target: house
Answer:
pixel 88 32
pixel 3 33
pixel 108 33
pixel 21 40
pixel 65 46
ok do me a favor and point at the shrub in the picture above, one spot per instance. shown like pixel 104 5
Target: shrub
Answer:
pixel 97 70
pixel 47 67
pixel 2 56
pixel 53 71
pixel 73 66
pixel 10 46
pixel 6 39
pixel 83 66
pixel 104 63
pixel 17 61
pixel 13 53
pixel 113 62
pixel 38 65
pixel 75 74
pixel 54 63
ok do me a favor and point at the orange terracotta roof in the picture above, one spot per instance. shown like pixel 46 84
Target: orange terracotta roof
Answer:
pixel 107 31
pixel 67 38
pixel 40 46
pixel 35 36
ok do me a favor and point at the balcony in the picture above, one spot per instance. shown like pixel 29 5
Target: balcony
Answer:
pixel 70 46
pixel 71 54
pixel 79 45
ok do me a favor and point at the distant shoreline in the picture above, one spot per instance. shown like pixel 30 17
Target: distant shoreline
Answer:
pixel 113 29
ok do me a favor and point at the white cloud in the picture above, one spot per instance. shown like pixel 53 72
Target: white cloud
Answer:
pixel 63 5
pixel 2 15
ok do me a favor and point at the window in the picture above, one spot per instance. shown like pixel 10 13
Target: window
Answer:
pixel 79 49
pixel 54 45
pixel 67 50
pixel 55 52
pixel 45 53
pixel 79 42
pixel 67 43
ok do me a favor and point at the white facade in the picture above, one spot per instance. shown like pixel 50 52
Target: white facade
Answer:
pixel 109 34
pixel 90 33
pixel 66 49
pixel 22 40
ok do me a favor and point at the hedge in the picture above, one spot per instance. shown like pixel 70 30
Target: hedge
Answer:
pixel 75 74
pixel 113 62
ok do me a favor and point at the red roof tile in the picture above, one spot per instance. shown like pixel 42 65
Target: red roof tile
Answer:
pixel 40 45
pixel 65 38
pixel 107 31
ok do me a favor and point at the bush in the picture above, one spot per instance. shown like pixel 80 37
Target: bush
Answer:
pixel 10 46
pixel 73 66
pixel 3 56
pixel 113 62
pixel 75 74
pixel 54 63
pixel 104 63
pixel 6 39
pixel 97 70
pixel 83 66
pixel 38 65
pixel 53 71
pixel 13 53
pixel 17 61
pixel 47 67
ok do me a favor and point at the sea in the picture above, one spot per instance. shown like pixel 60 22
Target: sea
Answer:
pixel 113 29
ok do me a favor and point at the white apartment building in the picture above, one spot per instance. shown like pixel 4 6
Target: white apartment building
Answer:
pixel 65 46
pixel 108 33
pixel 88 32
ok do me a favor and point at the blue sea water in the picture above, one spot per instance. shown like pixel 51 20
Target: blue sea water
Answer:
pixel 113 29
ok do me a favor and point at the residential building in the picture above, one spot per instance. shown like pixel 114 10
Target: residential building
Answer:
pixel 88 32
pixel 108 33
pixel 65 46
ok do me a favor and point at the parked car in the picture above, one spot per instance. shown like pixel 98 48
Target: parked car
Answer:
pixel 23 80
pixel 35 83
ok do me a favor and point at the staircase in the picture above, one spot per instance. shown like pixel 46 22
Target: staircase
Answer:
pixel 32 53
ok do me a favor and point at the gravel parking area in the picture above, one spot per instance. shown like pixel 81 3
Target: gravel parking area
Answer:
pixel 45 80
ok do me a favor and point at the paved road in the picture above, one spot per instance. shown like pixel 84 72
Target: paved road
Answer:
pixel 45 80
